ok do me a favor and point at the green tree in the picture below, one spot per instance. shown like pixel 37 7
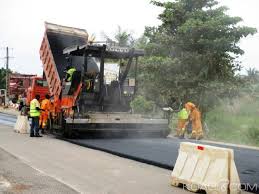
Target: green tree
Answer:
pixel 141 105
pixel 252 75
pixel 251 80
pixel 193 54
pixel 121 38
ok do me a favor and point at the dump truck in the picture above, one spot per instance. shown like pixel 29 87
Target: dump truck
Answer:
pixel 88 103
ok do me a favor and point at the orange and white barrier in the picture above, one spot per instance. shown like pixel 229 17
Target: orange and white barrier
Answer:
pixel 22 125
pixel 204 167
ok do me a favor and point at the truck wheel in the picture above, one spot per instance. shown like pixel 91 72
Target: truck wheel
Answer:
pixel 49 127
pixel 67 129
pixel 67 132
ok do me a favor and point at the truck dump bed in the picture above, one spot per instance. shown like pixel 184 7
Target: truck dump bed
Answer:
pixel 55 40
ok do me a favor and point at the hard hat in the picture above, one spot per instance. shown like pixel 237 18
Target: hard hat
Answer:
pixel 189 105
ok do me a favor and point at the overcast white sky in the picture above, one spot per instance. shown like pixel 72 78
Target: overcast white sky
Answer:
pixel 22 24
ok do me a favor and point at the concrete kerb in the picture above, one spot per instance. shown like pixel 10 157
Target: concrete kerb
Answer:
pixel 221 143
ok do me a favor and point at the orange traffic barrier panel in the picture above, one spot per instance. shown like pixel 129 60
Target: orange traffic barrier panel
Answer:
pixel 204 167
pixel 22 125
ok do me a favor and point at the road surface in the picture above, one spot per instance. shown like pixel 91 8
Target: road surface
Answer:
pixel 163 153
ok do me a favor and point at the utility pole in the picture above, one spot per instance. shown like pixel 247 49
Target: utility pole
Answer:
pixel 7 77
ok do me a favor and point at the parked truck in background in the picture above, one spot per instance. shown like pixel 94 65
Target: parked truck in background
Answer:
pixel 18 85
pixel 26 86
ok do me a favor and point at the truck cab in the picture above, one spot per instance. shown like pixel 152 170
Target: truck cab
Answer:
pixel 39 86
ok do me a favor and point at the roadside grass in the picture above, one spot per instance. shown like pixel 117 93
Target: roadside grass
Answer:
pixel 234 122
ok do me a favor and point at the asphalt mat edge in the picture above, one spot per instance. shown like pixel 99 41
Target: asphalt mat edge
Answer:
pixel 246 187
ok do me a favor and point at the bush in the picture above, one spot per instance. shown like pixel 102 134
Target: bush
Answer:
pixel 253 133
pixel 141 105
pixel 235 122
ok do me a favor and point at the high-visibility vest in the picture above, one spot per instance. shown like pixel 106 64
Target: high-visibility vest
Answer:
pixel 183 114
pixel 88 84
pixel 33 111
pixel 70 73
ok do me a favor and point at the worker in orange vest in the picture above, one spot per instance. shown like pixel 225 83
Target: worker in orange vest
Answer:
pixel 45 105
pixel 195 119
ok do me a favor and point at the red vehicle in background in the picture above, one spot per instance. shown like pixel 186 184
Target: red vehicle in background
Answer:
pixel 38 86
pixel 18 84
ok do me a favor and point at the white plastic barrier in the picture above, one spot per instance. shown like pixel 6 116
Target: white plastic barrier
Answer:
pixel 22 125
pixel 209 168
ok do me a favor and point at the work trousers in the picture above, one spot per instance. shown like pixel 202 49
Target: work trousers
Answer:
pixel 34 126
pixel 197 131
pixel 181 127
pixel 44 119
